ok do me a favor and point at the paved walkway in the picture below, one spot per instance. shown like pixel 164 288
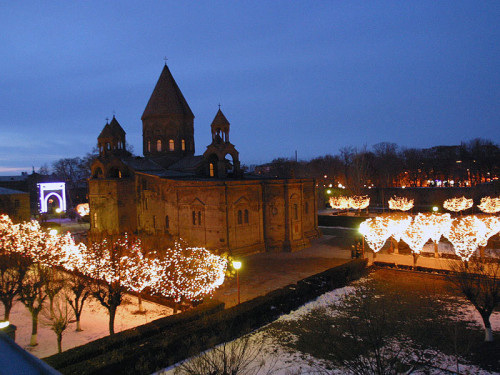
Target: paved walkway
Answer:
pixel 261 273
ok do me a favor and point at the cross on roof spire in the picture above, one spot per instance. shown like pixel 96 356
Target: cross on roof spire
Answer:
pixel 219 105
pixel 165 58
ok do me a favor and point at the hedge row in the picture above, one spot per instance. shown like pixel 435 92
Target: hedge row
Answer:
pixel 175 342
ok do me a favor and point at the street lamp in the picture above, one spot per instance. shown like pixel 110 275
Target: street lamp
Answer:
pixel 237 266
pixel 435 209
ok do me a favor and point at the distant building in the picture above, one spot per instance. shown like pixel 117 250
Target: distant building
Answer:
pixel 15 203
pixel 30 184
pixel 204 199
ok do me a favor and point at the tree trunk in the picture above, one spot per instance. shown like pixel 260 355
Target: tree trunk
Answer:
pixel 34 331
pixel 139 300
pixel 112 313
pixel 8 307
pixel 488 333
pixel 59 342
pixel 78 328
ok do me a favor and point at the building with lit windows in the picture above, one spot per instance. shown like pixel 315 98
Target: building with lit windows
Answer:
pixel 204 199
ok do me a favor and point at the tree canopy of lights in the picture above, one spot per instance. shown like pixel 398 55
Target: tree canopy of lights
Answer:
pixel 466 234
pixel 376 231
pixel 398 222
pixel 341 203
pixel 180 272
pixel 434 224
pixel 400 203
pixel 415 236
pixel 492 224
pixel 83 209
pixel 458 204
pixel 189 272
pixel 359 202
pixel 490 205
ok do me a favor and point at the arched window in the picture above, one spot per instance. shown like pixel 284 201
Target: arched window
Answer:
pixel 167 222
pixel 183 145
pixel 295 211
pixel 171 145
pixel 240 219
pixel 149 146
pixel 246 217
pixel 158 145
pixel 199 217
pixel 212 171
pixel 108 146
pixel 194 217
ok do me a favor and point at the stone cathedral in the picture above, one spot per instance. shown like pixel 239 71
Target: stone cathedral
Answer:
pixel 204 199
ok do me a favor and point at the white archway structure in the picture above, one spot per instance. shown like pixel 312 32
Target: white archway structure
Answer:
pixel 52 189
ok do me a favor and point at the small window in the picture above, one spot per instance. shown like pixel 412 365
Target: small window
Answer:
pixel 240 219
pixel 167 222
pixel 212 172
pixel 199 217
pixel 158 145
pixel 171 145
pixel 149 146
pixel 95 220
pixel 246 217
pixel 183 145
pixel 194 217
pixel 108 146
pixel 295 211
pixel 154 221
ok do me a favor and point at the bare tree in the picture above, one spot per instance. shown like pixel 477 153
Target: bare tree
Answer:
pixel 77 293
pixel 479 281
pixel 58 318
pixel 13 268
pixel 32 295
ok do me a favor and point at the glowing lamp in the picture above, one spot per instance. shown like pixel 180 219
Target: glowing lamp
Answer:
pixel 53 232
pixel 435 209
pixel 236 265
pixel 4 324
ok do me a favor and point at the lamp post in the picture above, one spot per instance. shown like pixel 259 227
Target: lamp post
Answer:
pixel 237 266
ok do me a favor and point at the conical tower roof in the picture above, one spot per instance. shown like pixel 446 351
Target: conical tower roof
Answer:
pixel 167 98
pixel 116 128
pixel 106 132
pixel 220 121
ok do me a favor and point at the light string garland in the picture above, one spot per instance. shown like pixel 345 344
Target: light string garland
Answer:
pixel 458 204
pixel 180 272
pixel 400 203
pixel 490 205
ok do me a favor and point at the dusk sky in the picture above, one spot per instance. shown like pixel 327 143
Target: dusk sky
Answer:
pixel 311 76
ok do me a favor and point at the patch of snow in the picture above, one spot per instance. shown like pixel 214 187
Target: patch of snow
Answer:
pixel 94 322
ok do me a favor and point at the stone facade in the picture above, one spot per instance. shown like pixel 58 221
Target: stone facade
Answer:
pixel 205 200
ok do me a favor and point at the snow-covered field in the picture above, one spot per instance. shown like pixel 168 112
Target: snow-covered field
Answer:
pixel 285 361
pixel 94 322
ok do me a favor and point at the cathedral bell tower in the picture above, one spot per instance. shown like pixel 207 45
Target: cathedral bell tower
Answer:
pixel 167 123
pixel 217 152
pixel 111 141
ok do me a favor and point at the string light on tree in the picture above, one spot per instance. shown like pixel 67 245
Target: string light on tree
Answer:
pixel 340 203
pixel 466 234
pixel 458 204
pixel 400 203
pixel 359 202
pixel 490 205
pixel 376 231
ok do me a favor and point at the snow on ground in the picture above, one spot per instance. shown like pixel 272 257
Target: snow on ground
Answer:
pixel 94 322
pixel 284 361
